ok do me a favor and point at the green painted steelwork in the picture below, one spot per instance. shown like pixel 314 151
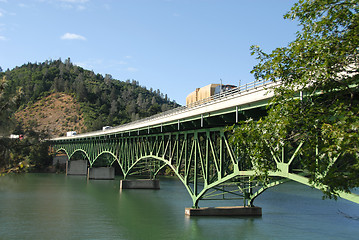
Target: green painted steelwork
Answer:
pixel 195 148
pixel 202 159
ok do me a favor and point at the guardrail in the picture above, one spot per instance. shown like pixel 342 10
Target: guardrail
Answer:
pixel 234 91
pixel 204 102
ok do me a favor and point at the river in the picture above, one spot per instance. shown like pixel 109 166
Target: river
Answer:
pixel 55 206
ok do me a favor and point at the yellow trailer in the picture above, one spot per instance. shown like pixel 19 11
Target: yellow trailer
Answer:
pixel 201 93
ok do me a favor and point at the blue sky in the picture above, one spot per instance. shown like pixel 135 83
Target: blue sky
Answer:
pixel 171 45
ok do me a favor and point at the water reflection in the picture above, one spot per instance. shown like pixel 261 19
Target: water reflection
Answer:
pixel 49 206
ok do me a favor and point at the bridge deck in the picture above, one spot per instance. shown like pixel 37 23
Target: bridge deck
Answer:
pixel 191 141
pixel 236 100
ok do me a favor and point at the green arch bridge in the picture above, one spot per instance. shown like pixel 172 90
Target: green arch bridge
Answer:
pixel 192 142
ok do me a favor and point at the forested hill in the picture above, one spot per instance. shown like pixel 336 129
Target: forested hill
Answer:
pixel 103 100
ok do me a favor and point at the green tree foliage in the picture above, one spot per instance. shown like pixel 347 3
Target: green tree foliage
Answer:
pixel 8 102
pixel 18 155
pixel 322 64
pixel 104 100
pixel 22 155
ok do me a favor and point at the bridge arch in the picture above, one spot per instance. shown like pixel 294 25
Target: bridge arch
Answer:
pixel 106 152
pixel 63 150
pixel 110 163
pixel 82 151
pixel 201 159
pixel 191 140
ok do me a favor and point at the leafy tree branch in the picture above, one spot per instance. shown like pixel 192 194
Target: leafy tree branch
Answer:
pixel 317 101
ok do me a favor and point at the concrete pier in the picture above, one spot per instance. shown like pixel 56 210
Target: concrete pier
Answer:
pixel 59 159
pixel 78 167
pixel 225 211
pixel 140 184
pixel 101 173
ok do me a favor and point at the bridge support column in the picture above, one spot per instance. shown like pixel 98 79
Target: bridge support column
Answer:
pixel 78 167
pixel 225 211
pixel 101 173
pixel 140 184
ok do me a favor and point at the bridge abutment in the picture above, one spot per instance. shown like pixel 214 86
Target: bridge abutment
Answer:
pixel 225 211
pixel 101 173
pixel 140 184
pixel 78 167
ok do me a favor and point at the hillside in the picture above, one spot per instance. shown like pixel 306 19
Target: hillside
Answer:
pixel 55 114
pixel 59 96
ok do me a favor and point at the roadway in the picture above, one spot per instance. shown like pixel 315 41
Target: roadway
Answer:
pixel 253 95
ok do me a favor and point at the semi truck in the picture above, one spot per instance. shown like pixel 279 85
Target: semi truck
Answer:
pixel 205 93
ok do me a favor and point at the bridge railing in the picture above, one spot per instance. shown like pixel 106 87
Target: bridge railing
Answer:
pixel 207 101
pixel 225 95
pixel 229 93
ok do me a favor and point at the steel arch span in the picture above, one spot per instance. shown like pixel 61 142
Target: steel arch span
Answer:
pixel 202 159
pixel 192 142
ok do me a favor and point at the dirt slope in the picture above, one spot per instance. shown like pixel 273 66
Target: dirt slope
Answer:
pixel 56 114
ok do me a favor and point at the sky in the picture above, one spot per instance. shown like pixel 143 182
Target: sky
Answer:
pixel 175 46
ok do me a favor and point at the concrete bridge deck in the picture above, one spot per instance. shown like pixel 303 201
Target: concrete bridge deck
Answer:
pixel 243 98
pixel 192 141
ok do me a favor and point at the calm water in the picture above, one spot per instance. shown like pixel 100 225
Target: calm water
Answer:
pixel 50 206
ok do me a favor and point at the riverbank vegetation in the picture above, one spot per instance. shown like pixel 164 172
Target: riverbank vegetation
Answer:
pixel 25 155
pixel 102 100
pixel 42 100
pixel 18 154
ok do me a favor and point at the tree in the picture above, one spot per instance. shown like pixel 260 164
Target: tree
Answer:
pixel 322 64
pixel 91 90
pixel 81 90
pixel 114 107
pixel 108 79
pixel 7 105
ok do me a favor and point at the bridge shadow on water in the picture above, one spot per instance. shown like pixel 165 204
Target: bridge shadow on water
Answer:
pixel 159 214
pixel 290 211
pixel 50 206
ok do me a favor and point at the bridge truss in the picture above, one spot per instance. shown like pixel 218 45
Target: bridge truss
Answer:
pixel 194 147
pixel 202 159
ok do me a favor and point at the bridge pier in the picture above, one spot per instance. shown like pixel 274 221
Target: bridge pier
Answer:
pixel 78 167
pixel 101 173
pixel 225 211
pixel 140 184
